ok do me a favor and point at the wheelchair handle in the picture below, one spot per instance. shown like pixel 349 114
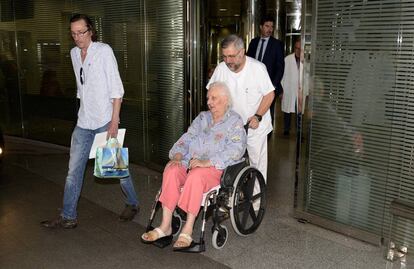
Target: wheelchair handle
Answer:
pixel 246 127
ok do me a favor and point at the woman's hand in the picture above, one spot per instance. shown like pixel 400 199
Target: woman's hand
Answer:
pixel 175 161
pixel 199 163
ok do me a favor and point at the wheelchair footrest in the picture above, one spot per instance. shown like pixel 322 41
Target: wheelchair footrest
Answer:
pixel 163 241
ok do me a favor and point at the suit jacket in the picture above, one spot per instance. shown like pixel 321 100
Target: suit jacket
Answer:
pixel 273 58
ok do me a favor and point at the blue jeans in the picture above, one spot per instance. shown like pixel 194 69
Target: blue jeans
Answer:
pixel 82 140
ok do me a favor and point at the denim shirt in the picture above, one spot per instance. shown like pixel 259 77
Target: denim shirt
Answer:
pixel 223 143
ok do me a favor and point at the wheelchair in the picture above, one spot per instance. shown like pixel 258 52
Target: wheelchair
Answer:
pixel 236 198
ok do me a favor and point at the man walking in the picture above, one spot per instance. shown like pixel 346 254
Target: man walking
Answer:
pixel 252 93
pixel 292 84
pixel 269 51
pixel 100 90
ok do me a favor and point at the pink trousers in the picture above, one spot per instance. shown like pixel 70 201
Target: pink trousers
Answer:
pixel 186 190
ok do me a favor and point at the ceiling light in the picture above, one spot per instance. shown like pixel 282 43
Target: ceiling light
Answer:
pixel 223 9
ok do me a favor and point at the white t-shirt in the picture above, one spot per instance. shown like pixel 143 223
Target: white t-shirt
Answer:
pixel 101 83
pixel 247 89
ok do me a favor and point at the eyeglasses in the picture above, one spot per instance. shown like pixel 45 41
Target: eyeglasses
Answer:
pixel 79 34
pixel 225 57
pixel 81 76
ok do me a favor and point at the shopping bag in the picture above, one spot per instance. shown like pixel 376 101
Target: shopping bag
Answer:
pixel 111 161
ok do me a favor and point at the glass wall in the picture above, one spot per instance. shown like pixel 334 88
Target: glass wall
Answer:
pixel 37 87
pixel 359 126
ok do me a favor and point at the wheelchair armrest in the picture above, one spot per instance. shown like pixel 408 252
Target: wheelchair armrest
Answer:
pixel 230 174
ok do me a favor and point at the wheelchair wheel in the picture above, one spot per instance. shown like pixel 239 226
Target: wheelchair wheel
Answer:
pixel 176 223
pixel 220 237
pixel 247 202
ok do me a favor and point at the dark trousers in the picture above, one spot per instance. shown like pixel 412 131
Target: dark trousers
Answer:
pixel 286 122
pixel 288 119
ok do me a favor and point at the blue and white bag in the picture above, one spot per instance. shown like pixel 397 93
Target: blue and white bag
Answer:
pixel 111 161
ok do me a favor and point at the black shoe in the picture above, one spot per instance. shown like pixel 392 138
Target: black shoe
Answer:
pixel 128 213
pixel 60 222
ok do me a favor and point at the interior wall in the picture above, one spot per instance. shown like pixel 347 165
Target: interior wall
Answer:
pixel 37 87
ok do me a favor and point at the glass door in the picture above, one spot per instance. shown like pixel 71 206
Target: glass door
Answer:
pixel 220 19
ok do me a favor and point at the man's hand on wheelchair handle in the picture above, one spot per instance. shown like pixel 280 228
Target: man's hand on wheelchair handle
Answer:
pixel 253 122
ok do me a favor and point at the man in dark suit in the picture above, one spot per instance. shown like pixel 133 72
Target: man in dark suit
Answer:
pixel 269 51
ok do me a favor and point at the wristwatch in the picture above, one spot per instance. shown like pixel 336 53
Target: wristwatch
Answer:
pixel 258 117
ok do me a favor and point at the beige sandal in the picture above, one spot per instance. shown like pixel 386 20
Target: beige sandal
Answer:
pixel 184 241
pixel 152 236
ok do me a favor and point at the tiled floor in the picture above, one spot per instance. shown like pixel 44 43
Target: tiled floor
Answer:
pixel 32 190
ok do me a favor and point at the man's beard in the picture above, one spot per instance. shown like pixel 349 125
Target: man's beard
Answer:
pixel 233 67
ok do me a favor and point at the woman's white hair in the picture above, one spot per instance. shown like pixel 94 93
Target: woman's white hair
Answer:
pixel 224 90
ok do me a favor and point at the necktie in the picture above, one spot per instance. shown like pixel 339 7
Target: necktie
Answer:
pixel 261 50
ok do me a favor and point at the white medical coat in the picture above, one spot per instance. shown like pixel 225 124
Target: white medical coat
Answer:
pixel 291 81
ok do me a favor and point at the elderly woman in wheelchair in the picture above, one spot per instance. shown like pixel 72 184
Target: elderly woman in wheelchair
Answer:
pixel 215 140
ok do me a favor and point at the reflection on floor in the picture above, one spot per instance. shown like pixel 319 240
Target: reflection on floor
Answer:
pixel 32 190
